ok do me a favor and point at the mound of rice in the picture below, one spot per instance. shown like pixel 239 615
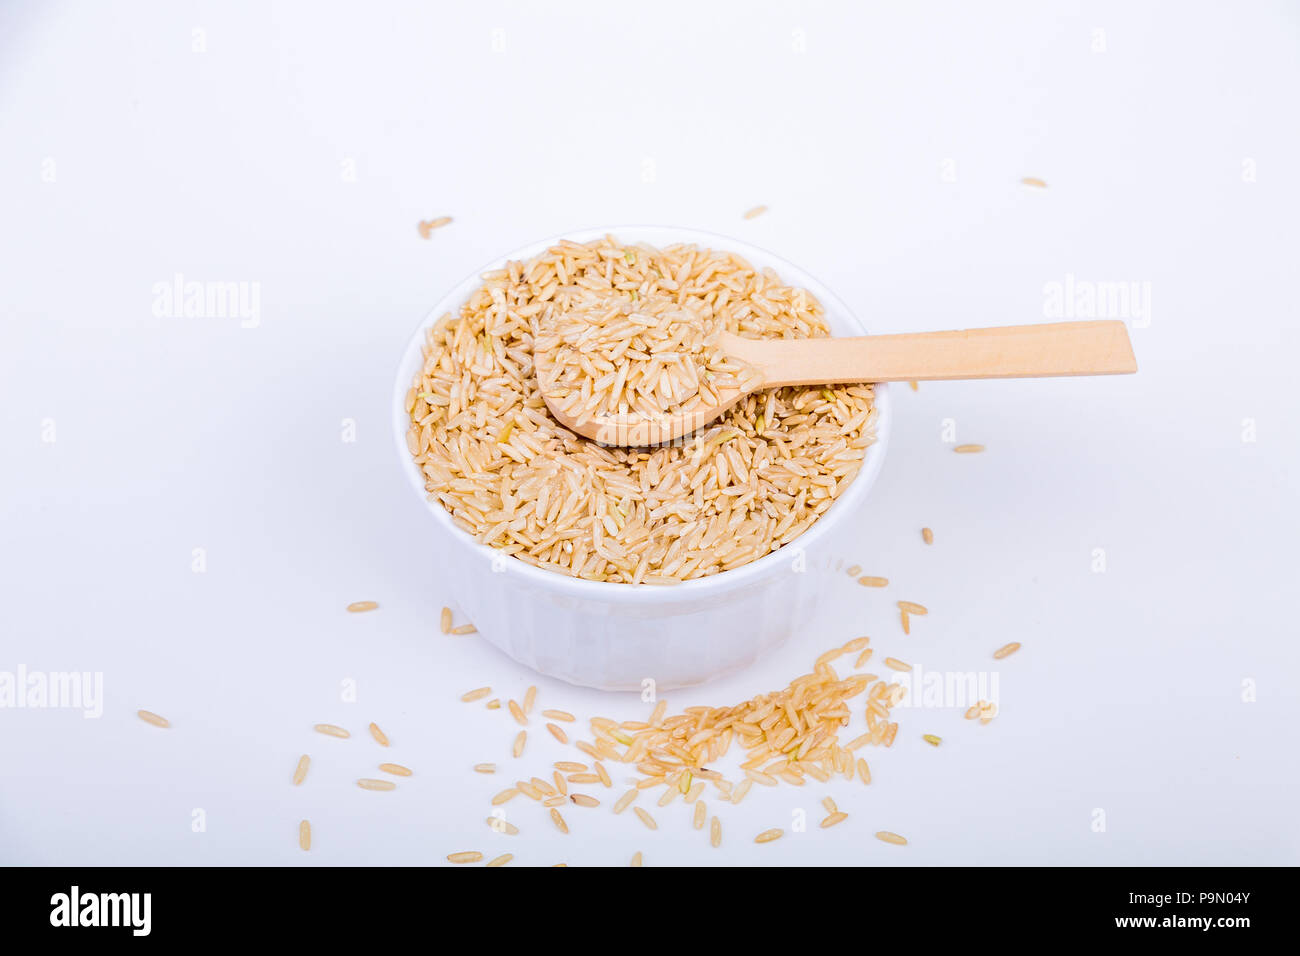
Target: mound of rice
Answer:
pixel 631 360
pixel 514 479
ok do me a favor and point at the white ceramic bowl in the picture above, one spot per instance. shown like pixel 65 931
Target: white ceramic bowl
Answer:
pixel 618 636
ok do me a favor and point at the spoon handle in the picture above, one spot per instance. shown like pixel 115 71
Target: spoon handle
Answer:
pixel 1017 351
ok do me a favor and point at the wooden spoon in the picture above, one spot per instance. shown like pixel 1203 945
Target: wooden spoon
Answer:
pixel 1017 351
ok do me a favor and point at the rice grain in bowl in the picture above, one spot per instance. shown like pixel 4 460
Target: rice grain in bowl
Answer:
pixel 567 608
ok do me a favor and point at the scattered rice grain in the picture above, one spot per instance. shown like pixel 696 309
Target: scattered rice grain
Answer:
pixel 645 818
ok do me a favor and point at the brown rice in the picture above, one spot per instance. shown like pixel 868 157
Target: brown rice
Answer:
pixel 736 491
pixel 645 818
pixel 628 361
pixel 426 227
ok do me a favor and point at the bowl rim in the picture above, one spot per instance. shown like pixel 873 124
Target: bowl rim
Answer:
pixel 619 591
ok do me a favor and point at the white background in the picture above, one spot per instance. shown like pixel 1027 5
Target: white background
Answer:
pixel 173 434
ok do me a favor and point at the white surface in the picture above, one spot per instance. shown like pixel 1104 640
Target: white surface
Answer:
pixel 175 434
